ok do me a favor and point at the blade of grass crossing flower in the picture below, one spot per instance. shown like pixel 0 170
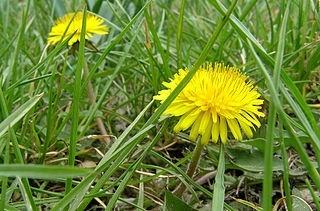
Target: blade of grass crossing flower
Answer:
pixel 193 70
pixel 97 5
pixel 307 115
pixel 21 80
pixel 76 99
pixel 218 188
pixel 245 34
pixel 268 155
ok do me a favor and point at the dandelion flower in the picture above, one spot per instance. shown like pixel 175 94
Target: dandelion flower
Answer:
pixel 215 99
pixel 63 29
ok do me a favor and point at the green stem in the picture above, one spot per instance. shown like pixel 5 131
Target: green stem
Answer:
pixel 219 189
pixel 191 168
pixel 92 99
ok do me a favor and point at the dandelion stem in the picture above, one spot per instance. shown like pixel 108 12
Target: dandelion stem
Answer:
pixel 92 99
pixel 191 168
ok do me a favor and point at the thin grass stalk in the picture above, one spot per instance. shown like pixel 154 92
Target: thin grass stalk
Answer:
pixel 75 103
pixel 4 182
pixel 24 183
pixel 50 116
pixel 316 198
pixel 268 158
pixel 271 21
pixel 3 103
pixel 179 34
pixel 157 43
pixel 141 192
pixel 218 188
pixel 13 65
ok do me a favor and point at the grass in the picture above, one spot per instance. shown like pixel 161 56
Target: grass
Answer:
pixel 54 157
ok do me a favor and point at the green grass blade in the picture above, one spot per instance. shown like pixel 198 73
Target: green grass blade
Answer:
pixel 17 115
pixel 219 189
pixel 4 183
pixel 24 183
pixel 179 34
pixel 41 171
pixel 76 99
pixel 268 156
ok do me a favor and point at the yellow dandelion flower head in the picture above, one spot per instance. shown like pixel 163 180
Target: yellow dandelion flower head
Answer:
pixel 63 29
pixel 215 99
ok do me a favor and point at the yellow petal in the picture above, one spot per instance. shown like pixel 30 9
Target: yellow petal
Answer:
pixel 223 130
pixel 204 125
pixel 175 109
pixel 235 129
pixel 215 131
pixel 247 130
pixel 195 128
pixel 206 135
pixel 186 120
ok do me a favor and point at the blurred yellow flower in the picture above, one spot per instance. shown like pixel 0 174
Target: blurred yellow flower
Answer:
pixel 62 27
pixel 214 99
